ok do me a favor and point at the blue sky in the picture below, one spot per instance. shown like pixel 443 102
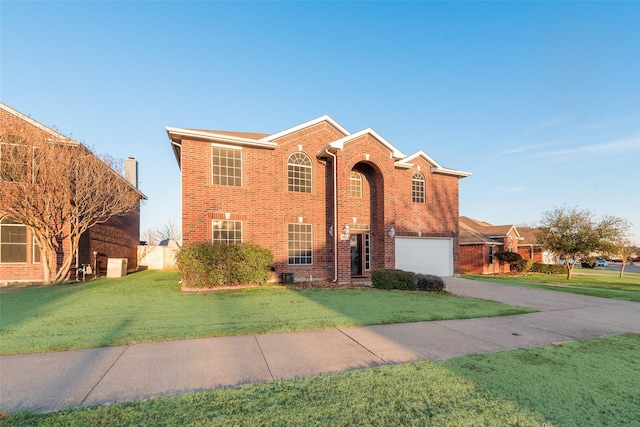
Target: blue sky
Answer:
pixel 540 101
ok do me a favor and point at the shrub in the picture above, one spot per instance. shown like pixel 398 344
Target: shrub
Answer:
pixel 388 278
pixel 524 265
pixel 508 257
pixel 548 268
pixel 215 264
pixel 588 262
pixel 428 282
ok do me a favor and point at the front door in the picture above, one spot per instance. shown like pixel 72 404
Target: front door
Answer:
pixel 355 241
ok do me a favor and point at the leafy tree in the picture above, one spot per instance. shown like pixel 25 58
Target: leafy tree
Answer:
pixel 59 189
pixel 572 234
pixel 623 248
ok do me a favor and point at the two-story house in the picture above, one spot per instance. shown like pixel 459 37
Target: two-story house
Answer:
pixel 330 204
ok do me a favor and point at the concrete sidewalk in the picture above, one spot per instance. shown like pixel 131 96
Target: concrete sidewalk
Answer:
pixel 54 381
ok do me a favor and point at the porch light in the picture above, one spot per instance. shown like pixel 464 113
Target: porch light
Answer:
pixel 345 230
pixel 331 231
pixel 392 232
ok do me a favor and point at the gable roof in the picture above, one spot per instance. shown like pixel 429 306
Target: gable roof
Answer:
pixel 483 232
pixel 54 134
pixel 435 166
pixel 62 139
pixel 468 236
pixel 528 235
pixel 261 140
pixel 339 144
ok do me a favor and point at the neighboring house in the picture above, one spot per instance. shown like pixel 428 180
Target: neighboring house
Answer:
pixel 528 247
pixel 330 204
pixel 19 249
pixel 479 241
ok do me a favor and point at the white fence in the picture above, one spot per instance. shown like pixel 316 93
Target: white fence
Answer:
pixel 157 257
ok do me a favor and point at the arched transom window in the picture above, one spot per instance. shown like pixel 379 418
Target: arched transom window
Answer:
pixel 355 184
pixel 299 173
pixel 418 187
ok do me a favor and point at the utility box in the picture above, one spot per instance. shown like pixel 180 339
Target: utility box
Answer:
pixel 117 267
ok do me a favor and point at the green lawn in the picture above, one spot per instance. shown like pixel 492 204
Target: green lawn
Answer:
pixel 581 383
pixel 597 283
pixel 149 306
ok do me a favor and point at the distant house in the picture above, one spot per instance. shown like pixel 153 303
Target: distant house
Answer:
pixel 19 249
pixel 330 204
pixel 479 241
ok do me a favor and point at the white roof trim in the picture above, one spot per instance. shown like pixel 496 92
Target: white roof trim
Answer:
pixel 339 144
pixel 424 156
pixel 435 168
pixel 447 171
pixel 37 124
pixel 305 125
pixel 179 133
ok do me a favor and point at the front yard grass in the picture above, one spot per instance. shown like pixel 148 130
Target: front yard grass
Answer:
pixel 149 306
pixel 604 284
pixel 580 383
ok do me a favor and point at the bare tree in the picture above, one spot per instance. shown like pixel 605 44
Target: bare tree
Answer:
pixel 59 189
pixel 168 231
pixel 572 234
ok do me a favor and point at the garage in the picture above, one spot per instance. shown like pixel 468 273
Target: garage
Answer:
pixel 425 255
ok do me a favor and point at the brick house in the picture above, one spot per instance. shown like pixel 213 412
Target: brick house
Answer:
pixel 479 241
pixel 330 204
pixel 19 249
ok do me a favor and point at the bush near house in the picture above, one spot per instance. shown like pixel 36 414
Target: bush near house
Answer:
pixel 548 268
pixel 214 264
pixel 405 280
pixel 428 282
pixel 524 265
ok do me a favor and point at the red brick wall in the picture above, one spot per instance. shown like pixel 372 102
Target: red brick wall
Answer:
pixel 475 259
pixel 531 252
pixel 265 205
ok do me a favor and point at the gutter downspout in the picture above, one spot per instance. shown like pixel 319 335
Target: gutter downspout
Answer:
pixel 335 215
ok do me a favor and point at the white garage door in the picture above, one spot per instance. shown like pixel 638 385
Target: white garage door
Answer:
pixel 425 255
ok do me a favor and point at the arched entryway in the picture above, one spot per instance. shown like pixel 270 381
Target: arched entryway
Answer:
pixel 364 213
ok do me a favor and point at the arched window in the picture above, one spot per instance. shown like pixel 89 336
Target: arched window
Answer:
pixel 13 241
pixel 418 187
pixel 355 184
pixel 299 173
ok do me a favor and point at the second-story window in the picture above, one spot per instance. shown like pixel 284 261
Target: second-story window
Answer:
pixel 355 184
pixel 418 187
pixel 226 165
pixel 299 173
pixel 14 158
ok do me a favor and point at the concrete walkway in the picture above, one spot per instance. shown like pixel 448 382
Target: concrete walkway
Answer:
pixel 54 381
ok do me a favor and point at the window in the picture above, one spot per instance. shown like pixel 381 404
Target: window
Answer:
pixel 300 244
pixel 35 256
pixel 14 158
pixel 417 187
pixel 227 231
pixel 355 184
pixel 13 241
pixel 299 173
pixel 226 165
pixel 367 251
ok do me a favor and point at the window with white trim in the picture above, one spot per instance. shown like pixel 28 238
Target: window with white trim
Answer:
pixel 355 184
pixel 418 187
pixel 227 231
pixel 226 165
pixel 299 173
pixel 300 244
pixel 13 241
